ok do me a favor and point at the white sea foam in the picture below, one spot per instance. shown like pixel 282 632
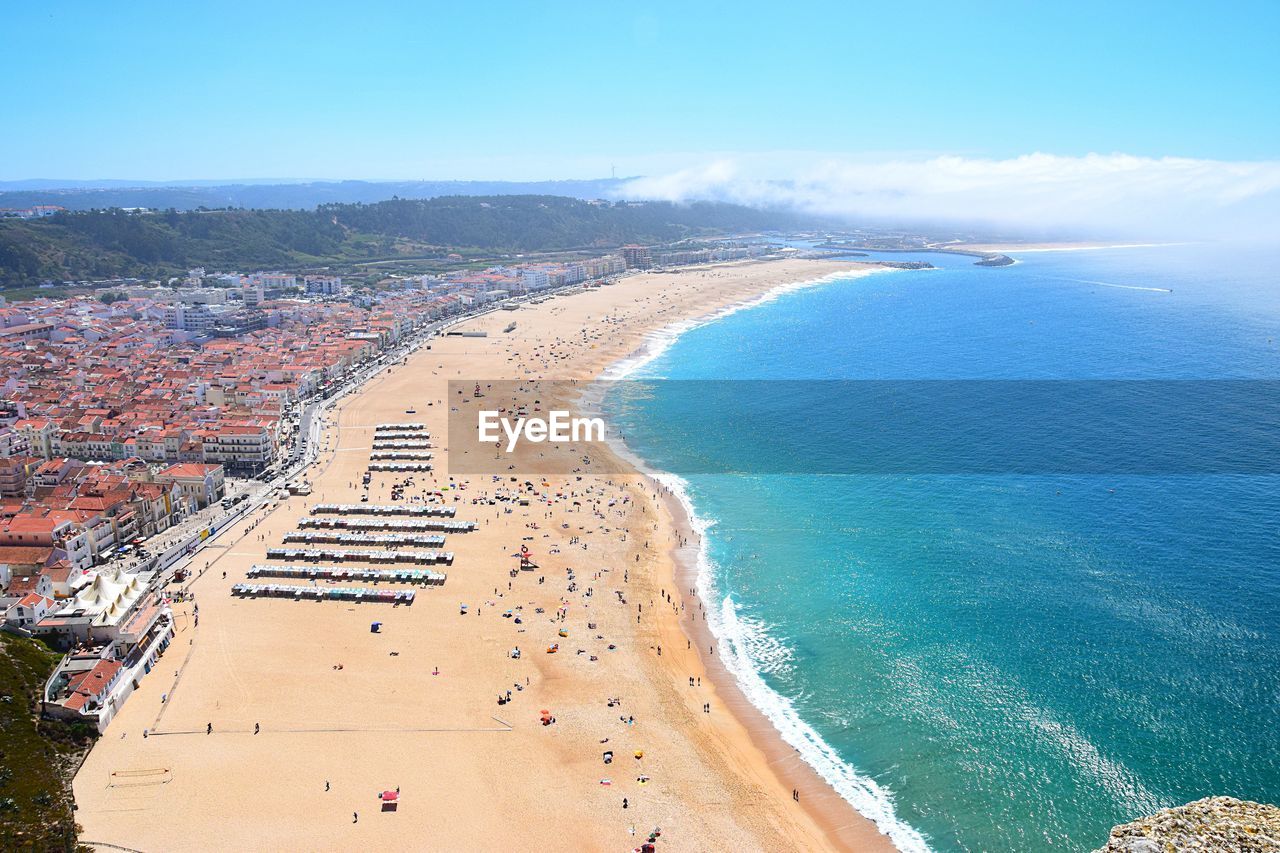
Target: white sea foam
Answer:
pixel 737 638
pixel 741 640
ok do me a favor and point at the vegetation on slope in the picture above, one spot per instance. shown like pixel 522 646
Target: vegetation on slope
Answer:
pixel 37 756
pixel 113 243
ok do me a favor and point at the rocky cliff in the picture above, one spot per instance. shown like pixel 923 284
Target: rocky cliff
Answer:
pixel 1211 824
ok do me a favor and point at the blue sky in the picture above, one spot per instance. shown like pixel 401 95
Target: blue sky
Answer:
pixel 161 91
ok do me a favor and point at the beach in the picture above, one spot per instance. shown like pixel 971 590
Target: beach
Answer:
pixel 276 723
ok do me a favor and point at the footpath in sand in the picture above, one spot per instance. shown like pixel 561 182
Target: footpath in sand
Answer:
pixel 343 713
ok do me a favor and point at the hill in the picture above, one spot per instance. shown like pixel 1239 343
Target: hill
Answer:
pixel 113 243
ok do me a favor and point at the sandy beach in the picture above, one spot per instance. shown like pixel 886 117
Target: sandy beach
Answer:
pixel 274 724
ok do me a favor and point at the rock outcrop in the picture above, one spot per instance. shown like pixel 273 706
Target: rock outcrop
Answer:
pixel 1211 824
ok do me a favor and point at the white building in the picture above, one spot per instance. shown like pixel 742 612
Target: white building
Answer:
pixel 253 293
pixel 120 629
pixel 324 285
pixel 28 611
pixel 535 279
pixel 274 280
pixel 189 318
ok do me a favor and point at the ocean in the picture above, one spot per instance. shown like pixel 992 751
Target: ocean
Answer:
pixel 993 661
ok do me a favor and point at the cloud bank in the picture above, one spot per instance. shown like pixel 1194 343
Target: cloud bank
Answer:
pixel 1035 194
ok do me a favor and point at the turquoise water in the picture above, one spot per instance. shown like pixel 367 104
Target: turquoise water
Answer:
pixel 998 662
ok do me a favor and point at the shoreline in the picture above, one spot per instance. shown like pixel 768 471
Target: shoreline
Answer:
pixel 273 661
pixel 844 825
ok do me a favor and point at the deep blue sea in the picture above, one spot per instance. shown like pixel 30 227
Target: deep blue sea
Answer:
pixel 998 662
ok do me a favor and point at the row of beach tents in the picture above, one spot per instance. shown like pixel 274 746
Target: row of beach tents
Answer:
pixel 319 593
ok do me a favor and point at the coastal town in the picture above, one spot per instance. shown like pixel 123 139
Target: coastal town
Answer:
pixel 639 428
pixel 141 417
pixel 387 632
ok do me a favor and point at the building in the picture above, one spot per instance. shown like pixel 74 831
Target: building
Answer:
pixel 189 318
pixel 637 257
pixel 202 296
pixel 253 293
pixel 26 332
pixel 39 434
pixel 323 285
pixel 275 280
pixel 84 688
pixel 29 610
pixel 22 573
pixel 236 323
pixel 33 212
pixel 243 450
pixel 198 485
pixel 534 279
pixel 117 629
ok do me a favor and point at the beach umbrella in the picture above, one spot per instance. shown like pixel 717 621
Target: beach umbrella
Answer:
pixel 389 796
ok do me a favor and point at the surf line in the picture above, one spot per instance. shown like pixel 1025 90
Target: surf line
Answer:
pixel 1120 286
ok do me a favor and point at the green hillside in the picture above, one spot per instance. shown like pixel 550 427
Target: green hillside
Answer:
pixel 114 243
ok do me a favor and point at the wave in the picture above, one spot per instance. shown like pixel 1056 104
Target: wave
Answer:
pixel 737 636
